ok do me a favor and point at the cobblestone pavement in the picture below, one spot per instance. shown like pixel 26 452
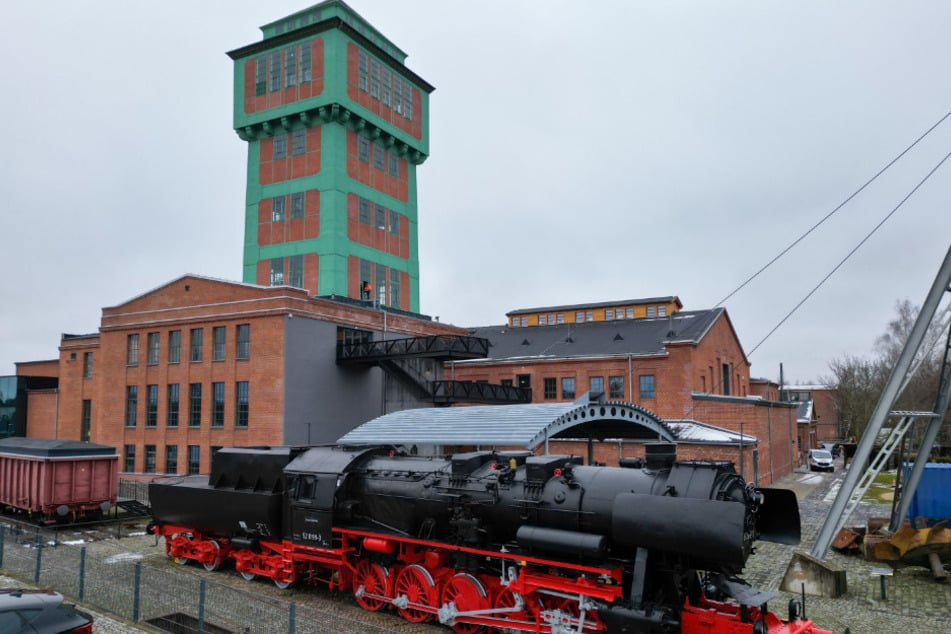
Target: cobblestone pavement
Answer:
pixel 915 602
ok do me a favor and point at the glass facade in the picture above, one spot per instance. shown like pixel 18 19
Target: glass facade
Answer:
pixel 13 401
pixel 8 406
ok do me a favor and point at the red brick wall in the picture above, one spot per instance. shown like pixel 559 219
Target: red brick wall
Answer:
pixel 42 423
pixel 273 170
pixel 379 179
pixel 374 237
pixel 289 229
pixel 827 416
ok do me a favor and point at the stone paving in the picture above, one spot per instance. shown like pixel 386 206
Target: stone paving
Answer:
pixel 915 603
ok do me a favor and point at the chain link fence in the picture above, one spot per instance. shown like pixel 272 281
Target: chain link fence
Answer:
pixel 162 599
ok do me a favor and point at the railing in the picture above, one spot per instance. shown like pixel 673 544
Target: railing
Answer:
pixel 435 346
pixel 473 392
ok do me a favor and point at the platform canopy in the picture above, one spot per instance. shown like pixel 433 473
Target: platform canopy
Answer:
pixel 526 425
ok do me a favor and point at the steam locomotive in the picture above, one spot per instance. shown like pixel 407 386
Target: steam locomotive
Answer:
pixel 491 541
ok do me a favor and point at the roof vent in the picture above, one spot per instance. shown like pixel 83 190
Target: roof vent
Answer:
pixel 524 342
pixel 671 333
pixel 570 339
pixel 618 337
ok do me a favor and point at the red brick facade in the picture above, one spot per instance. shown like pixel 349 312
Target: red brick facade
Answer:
pixel 187 304
pixel 689 383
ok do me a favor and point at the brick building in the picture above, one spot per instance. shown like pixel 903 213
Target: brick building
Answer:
pixel 828 427
pixel 308 346
pixel 201 363
pixel 681 365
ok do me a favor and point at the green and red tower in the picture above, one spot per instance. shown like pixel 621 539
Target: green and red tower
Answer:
pixel 336 125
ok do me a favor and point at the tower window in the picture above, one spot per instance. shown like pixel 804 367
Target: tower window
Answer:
pixel 378 155
pixel 375 79
pixel 295 271
pixel 299 142
pixel 408 102
pixel 260 75
pixel 275 83
pixel 363 149
pixel 305 74
pixel 297 205
pixel 278 208
pixel 364 211
pixel 280 146
pixel 290 66
pixel 277 272
pixel 363 64
pixel 385 96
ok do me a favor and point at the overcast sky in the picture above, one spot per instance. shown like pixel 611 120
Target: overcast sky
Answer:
pixel 580 151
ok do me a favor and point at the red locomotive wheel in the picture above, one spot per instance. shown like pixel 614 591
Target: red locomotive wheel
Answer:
pixel 506 599
pixel 375 581
pixel 418 586
pixel 468 594
pixel 178 540
pixel 571 610
pixel 214 563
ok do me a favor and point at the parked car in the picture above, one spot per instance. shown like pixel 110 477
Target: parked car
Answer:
pixel 821 460
pixel 40 612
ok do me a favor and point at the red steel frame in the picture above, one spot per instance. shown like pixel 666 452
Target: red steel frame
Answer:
pixel 529 594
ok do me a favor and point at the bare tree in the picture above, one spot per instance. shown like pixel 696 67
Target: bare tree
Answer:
pixel 858 382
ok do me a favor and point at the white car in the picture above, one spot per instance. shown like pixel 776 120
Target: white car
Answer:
pixel 821 460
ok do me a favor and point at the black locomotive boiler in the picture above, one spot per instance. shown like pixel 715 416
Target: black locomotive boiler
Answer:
pixel 490 540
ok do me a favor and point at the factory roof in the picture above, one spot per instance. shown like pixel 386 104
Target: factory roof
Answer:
pixel 526 425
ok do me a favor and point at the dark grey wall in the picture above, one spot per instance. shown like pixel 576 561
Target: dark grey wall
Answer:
pixel 332 399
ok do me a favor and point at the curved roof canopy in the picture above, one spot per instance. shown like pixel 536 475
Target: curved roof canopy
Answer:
pixel 513 425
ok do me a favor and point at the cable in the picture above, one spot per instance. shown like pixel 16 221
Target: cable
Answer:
pixel 717 382
pixel 831 213
pixel 850 253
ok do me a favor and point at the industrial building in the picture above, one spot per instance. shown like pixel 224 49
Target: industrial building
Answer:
pixel 325 332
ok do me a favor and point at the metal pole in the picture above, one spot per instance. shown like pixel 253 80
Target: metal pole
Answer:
pixel 136 592
pixel 885 402
pixel 201 607
pixel 931 434
pixel 39 559
pixel 82 573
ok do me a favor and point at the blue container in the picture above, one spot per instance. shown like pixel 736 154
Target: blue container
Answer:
pixel 932 500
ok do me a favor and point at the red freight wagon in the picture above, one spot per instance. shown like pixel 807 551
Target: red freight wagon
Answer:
pixel 62 479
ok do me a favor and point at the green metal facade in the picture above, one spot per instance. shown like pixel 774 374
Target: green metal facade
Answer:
pixel 337 109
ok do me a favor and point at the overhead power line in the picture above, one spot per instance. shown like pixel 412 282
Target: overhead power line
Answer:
pixel 852 252
pixel 832 213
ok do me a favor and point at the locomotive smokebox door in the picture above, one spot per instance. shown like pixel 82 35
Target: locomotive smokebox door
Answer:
pixel 312 509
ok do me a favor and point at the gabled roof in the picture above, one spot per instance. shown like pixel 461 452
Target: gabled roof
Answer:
pixel 511 425
pixel 693 431
pixel 600 338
